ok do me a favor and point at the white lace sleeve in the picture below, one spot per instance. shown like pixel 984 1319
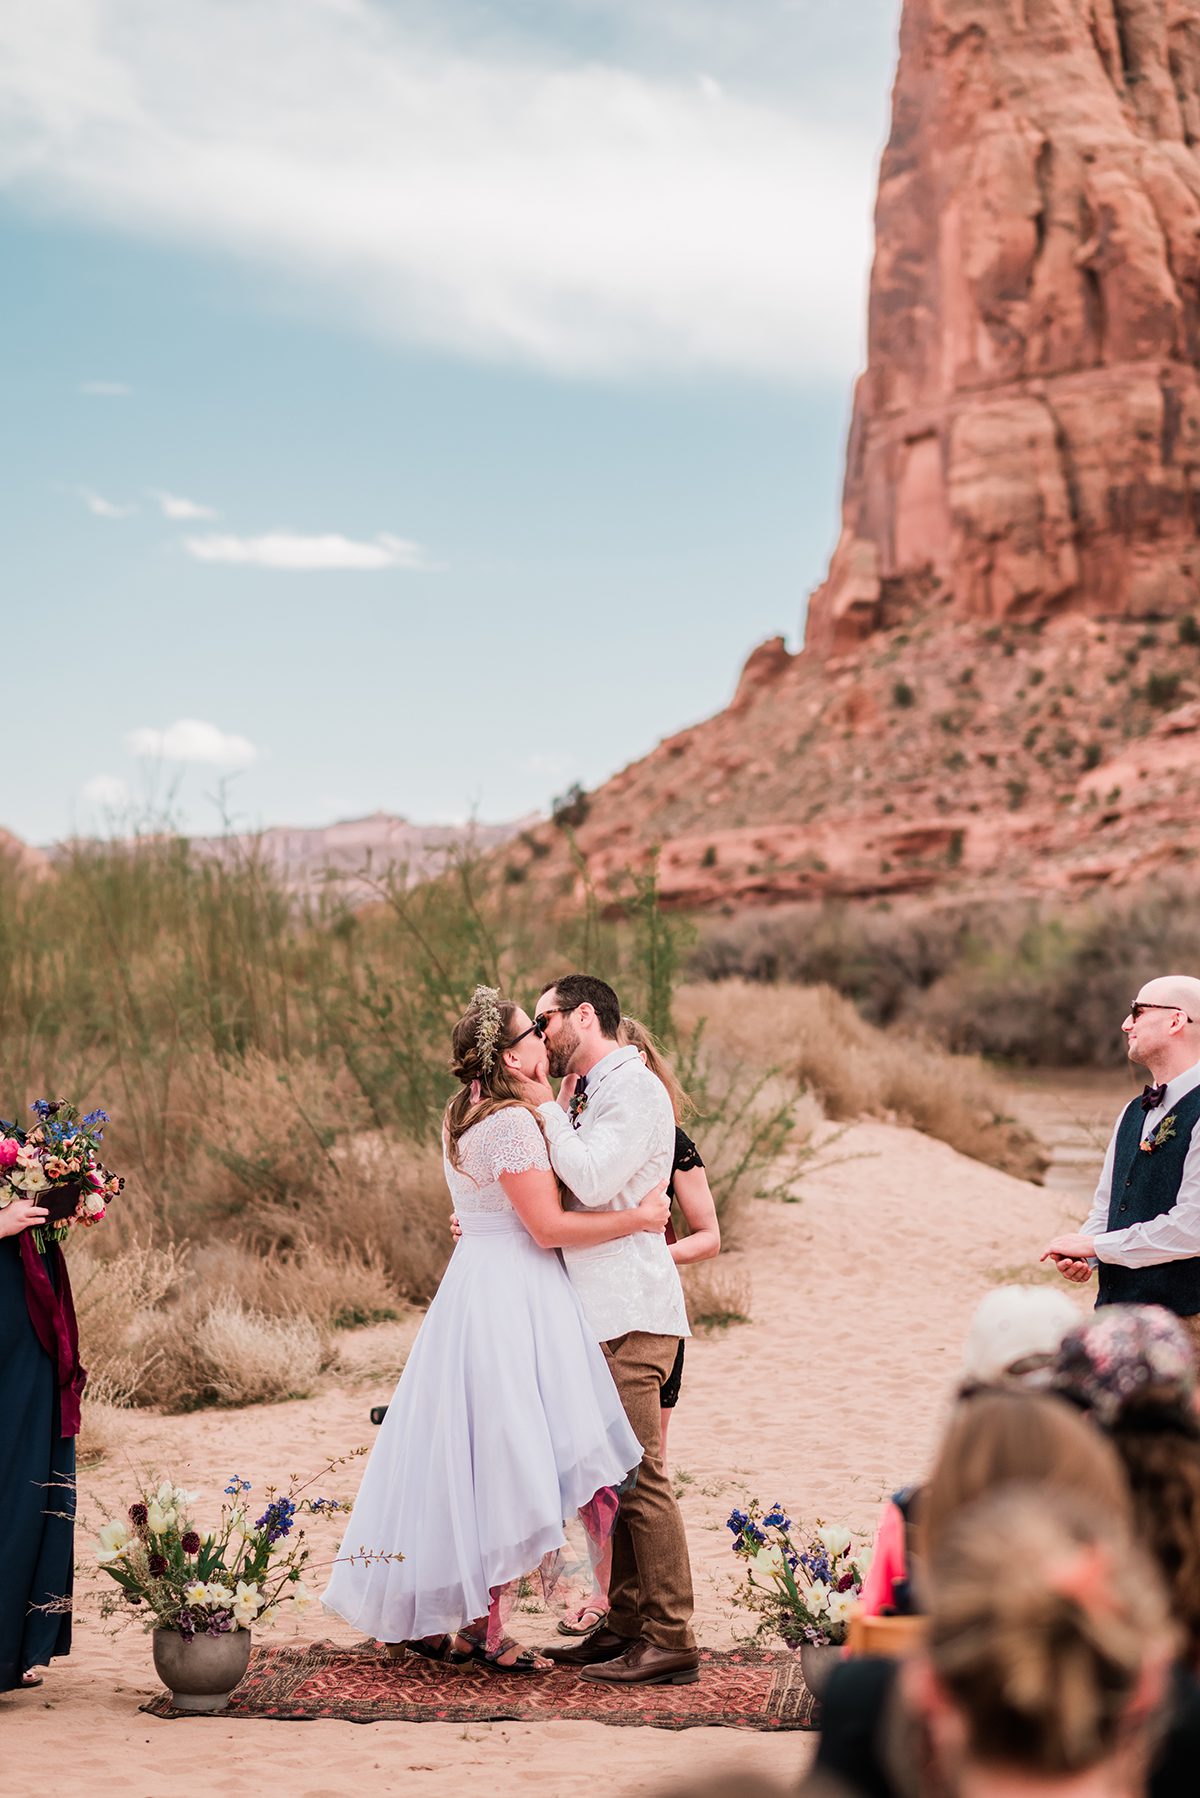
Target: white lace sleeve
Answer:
pixel 515 1142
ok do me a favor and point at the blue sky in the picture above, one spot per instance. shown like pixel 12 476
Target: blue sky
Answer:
pixel 408 407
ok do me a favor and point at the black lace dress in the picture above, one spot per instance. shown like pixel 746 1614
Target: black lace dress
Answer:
pixel 687 1155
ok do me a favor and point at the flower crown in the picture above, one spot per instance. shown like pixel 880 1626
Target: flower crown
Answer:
pixel 486 1000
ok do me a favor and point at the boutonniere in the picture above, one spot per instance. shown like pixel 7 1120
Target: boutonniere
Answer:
pixel 577 1105
pixel 1163 1134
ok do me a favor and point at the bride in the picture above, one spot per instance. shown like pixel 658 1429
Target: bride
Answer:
pixel 506 1419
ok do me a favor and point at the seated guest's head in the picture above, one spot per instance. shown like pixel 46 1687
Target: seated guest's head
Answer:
pixel 1048 1647
pixel 1132 1368
pixel 1015 1437
pixel 1014 1335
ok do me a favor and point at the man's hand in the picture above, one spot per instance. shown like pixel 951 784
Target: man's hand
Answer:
pixel 1071 1255
pixel 537 1088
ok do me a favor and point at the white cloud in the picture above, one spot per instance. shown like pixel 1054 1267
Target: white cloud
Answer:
pixel 173 505
pixel 498 198
pixel 104 508
pixel 190 740
pixel 106 390
pixel 107 792
pixel 288 549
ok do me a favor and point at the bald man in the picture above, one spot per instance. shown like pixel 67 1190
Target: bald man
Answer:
pixel 1143 1231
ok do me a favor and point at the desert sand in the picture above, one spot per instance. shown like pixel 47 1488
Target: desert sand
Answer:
pixel 833 1395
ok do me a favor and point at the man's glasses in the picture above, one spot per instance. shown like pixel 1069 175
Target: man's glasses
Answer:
pixel 1141 1005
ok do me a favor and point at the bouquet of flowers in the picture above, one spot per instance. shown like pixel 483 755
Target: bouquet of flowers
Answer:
pixel 57 1164
pixel 209 1583
pixel 804 1592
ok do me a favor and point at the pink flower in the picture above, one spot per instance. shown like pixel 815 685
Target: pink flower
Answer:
pixel 9 1150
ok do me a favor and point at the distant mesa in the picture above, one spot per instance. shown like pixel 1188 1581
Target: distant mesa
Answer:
pixel 1000 684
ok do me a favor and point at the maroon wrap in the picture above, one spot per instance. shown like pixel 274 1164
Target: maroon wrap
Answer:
pixel 52 1315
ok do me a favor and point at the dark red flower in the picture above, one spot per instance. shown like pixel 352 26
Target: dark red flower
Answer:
pixel 137 1516
pixel 845 1583
pixel 158 1565
pixel 191 1543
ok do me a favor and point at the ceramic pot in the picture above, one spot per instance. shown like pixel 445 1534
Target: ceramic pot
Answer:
pixel 201 1674
pixel 817 1662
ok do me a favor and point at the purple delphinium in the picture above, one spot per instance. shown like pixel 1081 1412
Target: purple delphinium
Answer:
pixel 277 1519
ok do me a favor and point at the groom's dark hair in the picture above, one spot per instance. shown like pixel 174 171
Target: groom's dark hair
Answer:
pixel 585 989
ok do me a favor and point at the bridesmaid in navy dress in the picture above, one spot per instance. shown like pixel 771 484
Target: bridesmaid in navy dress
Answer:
pixel 40 1383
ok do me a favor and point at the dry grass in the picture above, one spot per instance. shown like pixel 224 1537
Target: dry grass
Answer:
pixel 103 1431
pixel 818 1039
pixel 246 1357
pixel 717 1295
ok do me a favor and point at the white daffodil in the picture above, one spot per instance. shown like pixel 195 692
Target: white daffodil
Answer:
pixel 115 1538
pixel 247 1594
pixel 196 1594
pixel 768 1562
pixel 834 1537
pixel 302 1598
pixel 840 1605
pixel 219 1595
pixel 816 1599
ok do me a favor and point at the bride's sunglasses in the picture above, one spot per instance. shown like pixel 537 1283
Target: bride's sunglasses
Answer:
pixel 539 1026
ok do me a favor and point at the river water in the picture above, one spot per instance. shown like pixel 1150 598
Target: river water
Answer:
pixel 1073 1113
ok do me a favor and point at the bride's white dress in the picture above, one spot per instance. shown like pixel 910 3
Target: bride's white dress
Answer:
pixel 505 1421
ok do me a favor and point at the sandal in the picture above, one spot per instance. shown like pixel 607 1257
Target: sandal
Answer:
pixel 528 1661
pixel 29 1681
pixel 575 1626
pixel 443 1650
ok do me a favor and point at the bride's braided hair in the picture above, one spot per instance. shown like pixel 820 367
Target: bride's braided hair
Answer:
pixel 477 1047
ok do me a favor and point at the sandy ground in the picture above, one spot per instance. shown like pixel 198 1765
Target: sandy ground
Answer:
pixel 833 1395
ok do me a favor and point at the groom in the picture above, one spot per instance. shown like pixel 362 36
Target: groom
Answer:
pixel 609 1149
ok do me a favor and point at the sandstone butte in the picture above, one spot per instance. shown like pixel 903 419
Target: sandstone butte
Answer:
pixel 1000 684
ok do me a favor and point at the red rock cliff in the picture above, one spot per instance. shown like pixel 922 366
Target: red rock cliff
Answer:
pixel 1026 436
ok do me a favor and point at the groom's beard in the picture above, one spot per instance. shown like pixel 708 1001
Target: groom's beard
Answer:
pixel 565 1045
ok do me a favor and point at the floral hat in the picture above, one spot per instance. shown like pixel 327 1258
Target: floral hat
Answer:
pixel 1122 1353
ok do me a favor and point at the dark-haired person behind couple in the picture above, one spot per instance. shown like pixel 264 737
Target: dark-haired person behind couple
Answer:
pixel 40 1386
pixel 614 1137
pixel 1143 1231
pixel 506 1418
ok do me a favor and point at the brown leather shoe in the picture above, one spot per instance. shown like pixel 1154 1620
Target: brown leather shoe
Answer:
pixel 601 1645
pixel 643 1664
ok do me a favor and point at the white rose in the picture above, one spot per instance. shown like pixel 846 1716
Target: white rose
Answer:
pixel 114 1541
pixel 93 1204
pixel 196 1594
pixel 834 1537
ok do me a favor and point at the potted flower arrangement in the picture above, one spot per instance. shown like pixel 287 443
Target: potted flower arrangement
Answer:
pixel 203 1591
pixel 57 1163
pixel 803 1588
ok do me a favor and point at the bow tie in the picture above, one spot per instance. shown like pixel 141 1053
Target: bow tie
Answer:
pixel 1153 1096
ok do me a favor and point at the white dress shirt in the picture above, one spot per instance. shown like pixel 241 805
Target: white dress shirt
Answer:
pixel 1173 1236
pixel 620 1147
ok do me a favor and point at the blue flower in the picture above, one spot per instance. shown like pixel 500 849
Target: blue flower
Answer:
pixel 95 1117
pixel 43 1107
pixel 277 1519
pixel 775 1519
pixel 236 1486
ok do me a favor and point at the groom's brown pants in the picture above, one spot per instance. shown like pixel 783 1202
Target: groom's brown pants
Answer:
pixel 650 1591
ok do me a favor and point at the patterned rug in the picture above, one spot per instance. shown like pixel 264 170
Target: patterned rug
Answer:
pixel 744 1688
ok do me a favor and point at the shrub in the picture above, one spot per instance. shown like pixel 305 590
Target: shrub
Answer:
pixel 820 1040
pixel 903 696
pixel 1188 629
pixel 1161 689
pixel 716 1295
pixel 245 1357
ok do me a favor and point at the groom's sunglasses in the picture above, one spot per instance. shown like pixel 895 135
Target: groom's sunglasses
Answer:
pixel 1141 1005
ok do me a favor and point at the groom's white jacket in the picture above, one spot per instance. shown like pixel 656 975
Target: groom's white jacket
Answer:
pixel 621 1146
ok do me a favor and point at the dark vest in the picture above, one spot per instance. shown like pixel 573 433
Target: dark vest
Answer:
pixel 1144 1185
